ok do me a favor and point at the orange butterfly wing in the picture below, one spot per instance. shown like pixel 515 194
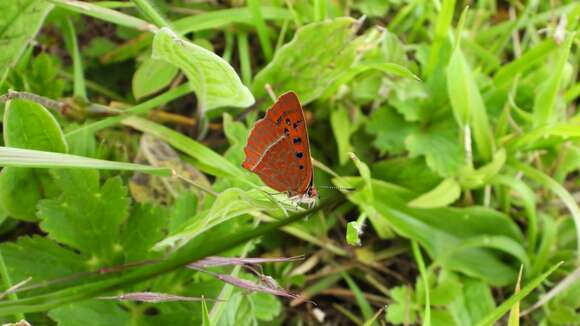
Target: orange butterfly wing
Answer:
pixel 278 148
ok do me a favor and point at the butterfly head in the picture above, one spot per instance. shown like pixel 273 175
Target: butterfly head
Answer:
pixel 312 192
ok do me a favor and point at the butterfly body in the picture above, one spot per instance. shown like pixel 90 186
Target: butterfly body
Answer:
pixel 278 150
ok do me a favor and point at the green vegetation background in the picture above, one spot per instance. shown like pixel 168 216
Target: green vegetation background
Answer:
pixel 445 138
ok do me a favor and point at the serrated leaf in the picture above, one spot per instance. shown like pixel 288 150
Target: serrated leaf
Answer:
pixel 41 259
pixel 215 82
pixel 91 313
pixel 152 76
pixel 19 23
pixel 27 125
pixel 305 67
pixel 390 129
pixel 87 215
pixel 440 146
pixel 144 228
pixel 446 193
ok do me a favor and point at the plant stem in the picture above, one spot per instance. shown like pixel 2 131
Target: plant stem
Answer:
pixel 150 12
pixel 6 284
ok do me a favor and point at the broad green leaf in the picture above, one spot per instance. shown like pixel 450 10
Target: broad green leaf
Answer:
pixel 441 230
pixel 19 23
pixel 410 173
pixel 16 157
pixel 467 103
pixel 30 125
pixel 441 147
pixel 215 82
pixel 26 125
pixel 306 67
pixel 87 215
pixel 545 101
pixel 151 77
pixel 446 193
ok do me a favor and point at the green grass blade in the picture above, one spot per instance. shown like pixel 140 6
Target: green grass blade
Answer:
pixel 514 318
pixel 138 109
pixel 149 11
pixel 442 26
pixel 70 37
pixel 262 29
pixel 508 72
pixel 18 157
pixel 557 189
pixel 206 159
pixel 506 305
pixel 545 101
pixel 361 301
pixel 244 53
pixel 423 272
pixel 105 14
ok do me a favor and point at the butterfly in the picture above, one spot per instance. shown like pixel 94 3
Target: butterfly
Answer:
pixel 278 150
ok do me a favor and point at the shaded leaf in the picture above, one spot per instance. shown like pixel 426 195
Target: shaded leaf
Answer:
pixel 19 23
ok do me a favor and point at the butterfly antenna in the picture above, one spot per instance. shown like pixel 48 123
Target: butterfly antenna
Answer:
pixel 270 92
pixel 194 184
pixel 336 188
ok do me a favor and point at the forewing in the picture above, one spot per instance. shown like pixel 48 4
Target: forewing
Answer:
pixel 278 148
pixel 288 117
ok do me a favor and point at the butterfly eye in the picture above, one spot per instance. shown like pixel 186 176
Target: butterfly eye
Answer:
pixel 287 121
pixel 297 140
pixel 286 132
pixel 299 154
